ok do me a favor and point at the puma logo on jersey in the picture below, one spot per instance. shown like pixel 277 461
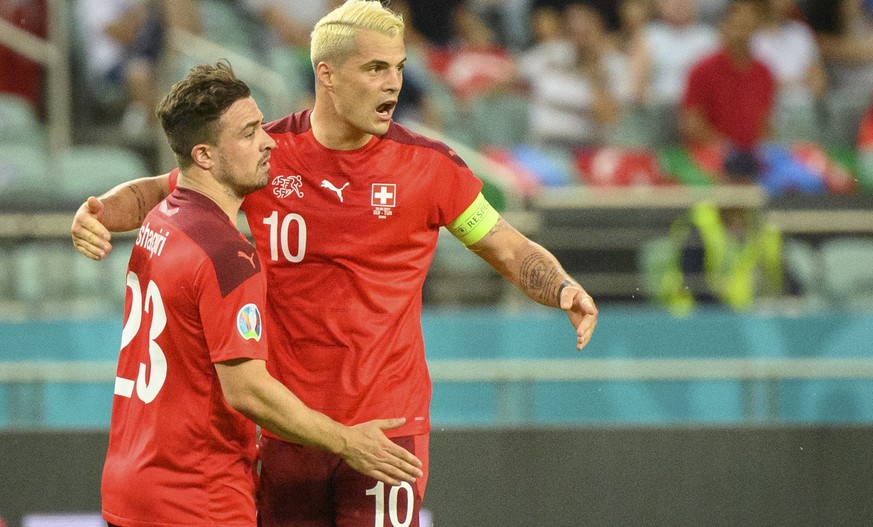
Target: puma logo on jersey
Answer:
pixel 339 191
pixel 249 257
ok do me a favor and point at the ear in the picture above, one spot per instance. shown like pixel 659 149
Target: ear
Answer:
pixel 201 154
pixel 323 74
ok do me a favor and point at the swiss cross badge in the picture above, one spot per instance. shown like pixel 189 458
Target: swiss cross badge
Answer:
pixel 383 197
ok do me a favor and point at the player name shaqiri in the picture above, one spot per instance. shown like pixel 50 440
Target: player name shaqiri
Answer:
pixel 150 240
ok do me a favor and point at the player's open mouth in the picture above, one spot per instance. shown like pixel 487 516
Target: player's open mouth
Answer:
pixel 385 109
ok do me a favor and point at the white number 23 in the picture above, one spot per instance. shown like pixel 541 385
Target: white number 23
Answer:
pixel 146 389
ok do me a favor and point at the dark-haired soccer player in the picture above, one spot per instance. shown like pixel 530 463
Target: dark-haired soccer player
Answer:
pixel 347 228
pixel 191 367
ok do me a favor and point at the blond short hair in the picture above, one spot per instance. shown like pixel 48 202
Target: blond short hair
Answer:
pixel 333 38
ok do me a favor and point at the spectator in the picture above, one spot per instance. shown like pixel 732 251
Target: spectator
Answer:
pixel 728 108
pixel 729 98
pixel 845 36
pixel 510 19
pixel 671 44
pixel 290 21
pixel 633 16
pixel 577 86
pixel 474 63
pixel 737 253
pixel 789 49
pixel 712 11
pixel 847 48
pixel 122 42
pixel 416 102
pixel 547 30
pixel 19 75
pixel 284 40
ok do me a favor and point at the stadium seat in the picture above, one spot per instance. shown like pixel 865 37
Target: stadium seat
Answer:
pixel 498 119
pixel 25 177
pixel 848 273
pixel 53 279
pixel 634 129
pixel 803 264
pixel 843 112
pixel 294 65
pixel 19 124
pixel 864 170
pixel 454 124
pixel 87 170
pixel 654 258
pixel 678 164
pixel 223 23
pixel 797 123
pixel 458 276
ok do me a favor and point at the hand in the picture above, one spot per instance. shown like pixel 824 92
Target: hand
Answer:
pixel 370 452
pixel 90 237
pixel 581 311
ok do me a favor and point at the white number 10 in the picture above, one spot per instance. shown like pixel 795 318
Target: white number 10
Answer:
pixel 379 493
pixel 279 236
pixel 146 390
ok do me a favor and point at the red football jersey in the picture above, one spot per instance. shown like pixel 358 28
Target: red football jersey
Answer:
pixel 178 453
pixel 347 238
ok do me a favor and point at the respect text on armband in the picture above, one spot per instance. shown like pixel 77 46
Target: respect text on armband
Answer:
pixel 473 220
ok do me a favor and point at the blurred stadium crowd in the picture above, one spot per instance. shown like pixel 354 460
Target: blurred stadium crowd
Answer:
pixel 597 92
pixel 556 93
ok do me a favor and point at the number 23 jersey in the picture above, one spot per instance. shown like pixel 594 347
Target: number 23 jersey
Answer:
pixel 178 453
pixel 347 238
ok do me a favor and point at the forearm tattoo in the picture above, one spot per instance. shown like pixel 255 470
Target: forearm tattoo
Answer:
pixel 142 207
pixel 540 279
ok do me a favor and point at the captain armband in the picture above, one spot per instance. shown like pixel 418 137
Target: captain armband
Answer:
pixel 475 222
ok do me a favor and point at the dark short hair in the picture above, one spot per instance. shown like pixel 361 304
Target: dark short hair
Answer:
pixel 190 112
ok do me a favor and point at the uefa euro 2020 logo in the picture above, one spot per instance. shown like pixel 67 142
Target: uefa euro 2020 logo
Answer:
pixel 248 322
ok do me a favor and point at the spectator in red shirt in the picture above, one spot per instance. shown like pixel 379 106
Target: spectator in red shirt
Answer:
pixel 19 75
pixel 729 96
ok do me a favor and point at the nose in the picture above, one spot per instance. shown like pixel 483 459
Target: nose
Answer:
pixel 394 80
pixel 269 143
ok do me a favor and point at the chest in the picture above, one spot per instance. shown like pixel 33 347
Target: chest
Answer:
pixel 315 207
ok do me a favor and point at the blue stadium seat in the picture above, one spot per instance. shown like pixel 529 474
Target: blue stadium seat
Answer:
pixel 499 119
pixel 87 170
pixel 847 263
pixel 19 124
pixel 25 177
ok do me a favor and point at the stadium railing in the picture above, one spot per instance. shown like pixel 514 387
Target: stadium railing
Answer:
pixel 514 379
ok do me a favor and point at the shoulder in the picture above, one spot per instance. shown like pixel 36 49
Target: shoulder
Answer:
pixel 229 254
pixel 714 61
pixel 406 138
pixel 296 123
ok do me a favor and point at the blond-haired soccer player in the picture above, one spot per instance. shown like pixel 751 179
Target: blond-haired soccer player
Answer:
pixel 191 365
pixel 347 227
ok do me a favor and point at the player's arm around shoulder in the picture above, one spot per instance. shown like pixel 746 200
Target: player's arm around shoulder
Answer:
pixel 526 264
pixel 120 209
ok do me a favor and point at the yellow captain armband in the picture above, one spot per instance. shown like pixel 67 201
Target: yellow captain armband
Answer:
pixel 475 222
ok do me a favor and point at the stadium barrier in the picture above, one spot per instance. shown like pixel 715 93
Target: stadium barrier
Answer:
pixel 519 368
pixel 564 477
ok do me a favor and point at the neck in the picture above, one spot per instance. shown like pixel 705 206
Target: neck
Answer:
pixel 332 130
pixel 203 182
pixel 739 53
